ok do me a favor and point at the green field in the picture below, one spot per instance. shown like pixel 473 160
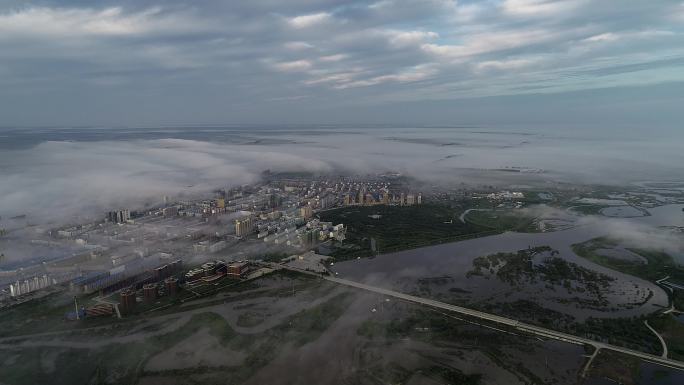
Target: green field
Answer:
pixel 588 209
pixel 398 228
pixel 503 220
pixel 659 264
pixel 125 363
pixel 672 332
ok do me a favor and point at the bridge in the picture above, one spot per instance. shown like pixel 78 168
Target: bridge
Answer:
pixel 521 326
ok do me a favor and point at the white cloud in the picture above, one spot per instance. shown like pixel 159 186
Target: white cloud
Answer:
pixel 113 21
pixel 414 74
pixel 67 49
pixel 293 66
pixel 608 36
pixel 408 38
pixel 611 36
pixel 678 12
pixel 336 78
pixel 481 43
pixel 503 65
pixel 90 177
pixel 298 45
pixel 333 58
pixel 305 21
pixel 540 7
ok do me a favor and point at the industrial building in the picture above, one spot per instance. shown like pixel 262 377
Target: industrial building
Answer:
pixel 29 285
pixel 238 269
pixel 134 274
pixel 99 310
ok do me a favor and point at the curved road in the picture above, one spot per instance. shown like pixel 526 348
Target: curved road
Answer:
pixel 662 341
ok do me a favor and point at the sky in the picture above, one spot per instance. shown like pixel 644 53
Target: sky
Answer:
pixel 142 62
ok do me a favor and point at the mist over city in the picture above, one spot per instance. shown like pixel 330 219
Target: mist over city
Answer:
pixel 342 192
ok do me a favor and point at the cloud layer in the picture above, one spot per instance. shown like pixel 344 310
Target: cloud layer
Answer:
pixel 265 60
pixel 56 174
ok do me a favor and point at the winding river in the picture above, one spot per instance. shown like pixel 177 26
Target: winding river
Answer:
pixel 628 294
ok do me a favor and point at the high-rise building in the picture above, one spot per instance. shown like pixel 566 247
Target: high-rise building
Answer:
pixel 119 216
pixel 420 198
pixel 150 292
pixel 127 300
pixel 171 285
pixel 306 212
pixel 310 238
pixel 171 211
pixel 410 200
pixel 220 203
pixel 326 201
pixel 244 226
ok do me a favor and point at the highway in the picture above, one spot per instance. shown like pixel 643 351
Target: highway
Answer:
pixel 527 328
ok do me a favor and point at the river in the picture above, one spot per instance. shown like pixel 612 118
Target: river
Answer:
pixel 401 270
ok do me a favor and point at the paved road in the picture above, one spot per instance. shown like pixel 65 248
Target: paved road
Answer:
pixel 662 341
pixel 531 329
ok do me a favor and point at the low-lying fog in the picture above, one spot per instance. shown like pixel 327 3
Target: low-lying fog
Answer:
pixel 54 174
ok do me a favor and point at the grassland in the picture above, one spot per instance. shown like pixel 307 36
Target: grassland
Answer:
pixel 117 363
pixel 519 269
pixel 434 328
pixel 658 264
pixel 125 363
pixel 396 228
pixel 672 330
pixel 502 220
pixel 588 209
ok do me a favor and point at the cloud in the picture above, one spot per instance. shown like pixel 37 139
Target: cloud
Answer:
pixel 407 38
pixel 85 172
pixel 608 36
pixel 336 78
pixel 503 65
pixel 630 35
pixel 293 66
pixel 112 21
pixel 342 54
pixel 540 8
pixel 678 12
pixel 86 178
pixel 413 74
pixel 298 45
pixel 333 58
pixel 482 43
pixel 306 21
pixel 635 234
